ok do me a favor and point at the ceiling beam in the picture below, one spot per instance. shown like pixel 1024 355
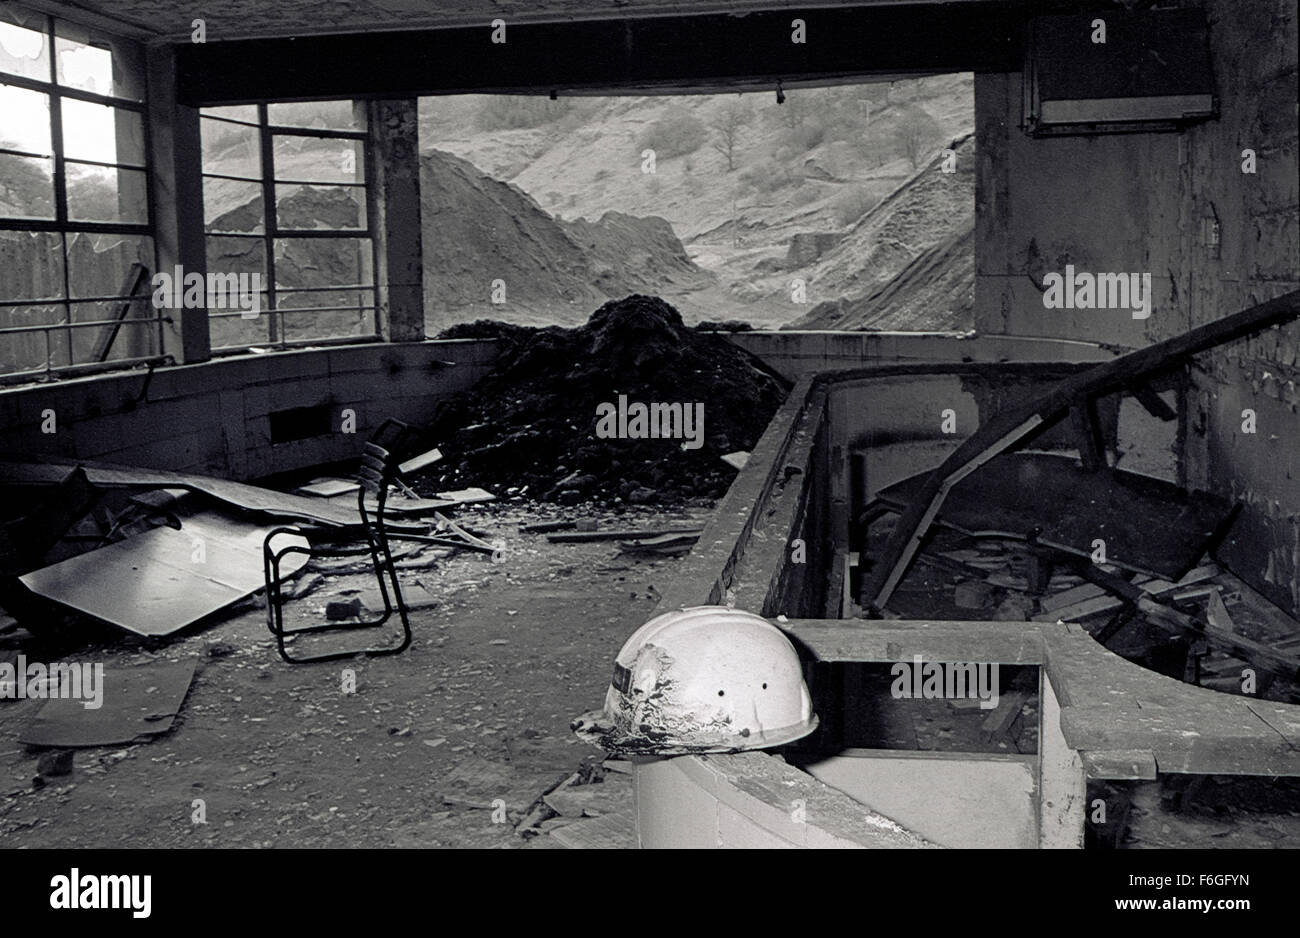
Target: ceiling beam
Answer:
pixel 680 52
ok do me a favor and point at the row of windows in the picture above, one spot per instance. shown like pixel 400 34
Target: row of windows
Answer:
pixel 284 197
pixel 284 188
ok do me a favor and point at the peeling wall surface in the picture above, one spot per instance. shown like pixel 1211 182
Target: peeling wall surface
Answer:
pixel 1215 239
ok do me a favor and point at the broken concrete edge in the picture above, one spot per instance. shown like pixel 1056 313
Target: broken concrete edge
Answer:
pixel 705 577
pixel 1126 721
pixel 752 799
pixel 711 571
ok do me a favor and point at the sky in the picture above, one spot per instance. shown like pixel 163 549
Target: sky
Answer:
pixel 88 129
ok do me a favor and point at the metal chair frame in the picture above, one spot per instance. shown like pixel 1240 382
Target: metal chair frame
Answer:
pixel 378 471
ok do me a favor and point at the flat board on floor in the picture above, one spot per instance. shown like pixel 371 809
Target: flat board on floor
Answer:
pixel 137 701
pixel 238 494
pixel 158 582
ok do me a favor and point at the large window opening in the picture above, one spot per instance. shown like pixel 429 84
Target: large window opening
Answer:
pixel 844 207
pixel 285 205
pixel 76 249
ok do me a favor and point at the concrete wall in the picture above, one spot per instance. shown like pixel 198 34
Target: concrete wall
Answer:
pixel 802 352
pixel 751 800
pixel 1150 202
pixel 955 799
pixel 214 417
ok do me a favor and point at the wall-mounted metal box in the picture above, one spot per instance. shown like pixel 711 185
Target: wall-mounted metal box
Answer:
pixel 1118 72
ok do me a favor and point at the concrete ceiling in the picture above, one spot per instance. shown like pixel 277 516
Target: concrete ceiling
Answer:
pixel 253 19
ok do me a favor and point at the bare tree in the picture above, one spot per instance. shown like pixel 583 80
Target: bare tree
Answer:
pixel 728 122
pixel 915 129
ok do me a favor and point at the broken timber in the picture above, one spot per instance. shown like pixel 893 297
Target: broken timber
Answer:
pixel 1009 427
pixel 1166 617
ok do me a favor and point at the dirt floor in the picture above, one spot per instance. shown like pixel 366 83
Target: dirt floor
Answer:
pixel 505 655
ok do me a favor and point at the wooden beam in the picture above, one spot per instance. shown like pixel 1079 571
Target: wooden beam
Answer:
pixel 1013 425
pixel 1155 404
pixel 1178 623
pixel 1087 434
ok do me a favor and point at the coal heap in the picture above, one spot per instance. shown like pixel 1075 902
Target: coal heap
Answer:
pixel 530 427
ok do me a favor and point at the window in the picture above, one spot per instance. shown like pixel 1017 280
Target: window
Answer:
pixel 284 191
pixel 76 245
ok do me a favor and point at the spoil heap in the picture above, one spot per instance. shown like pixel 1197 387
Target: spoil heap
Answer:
pixel 530 427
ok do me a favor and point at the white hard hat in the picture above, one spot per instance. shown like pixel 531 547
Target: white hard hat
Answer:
pixel 703 679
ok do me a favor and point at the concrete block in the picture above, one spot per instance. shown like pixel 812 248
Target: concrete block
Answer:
pixel 952 799
pixel 179 452
pixel 737 831
pixel 672 810
pixel 309 363
pixel 93 438
pixel 777 818
pixel 294 392
pixel 819 839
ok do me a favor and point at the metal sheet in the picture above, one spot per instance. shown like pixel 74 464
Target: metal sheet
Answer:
pixel 158 582
pixel 238 494
pixel 141 701
pixel 248 497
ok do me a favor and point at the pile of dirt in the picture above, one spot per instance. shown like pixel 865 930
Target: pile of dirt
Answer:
pixel 909 263
pixel 490 249
pixel 530 428
pixel 935 292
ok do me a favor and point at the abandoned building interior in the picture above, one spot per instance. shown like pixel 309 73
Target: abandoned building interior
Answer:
pixel 292 556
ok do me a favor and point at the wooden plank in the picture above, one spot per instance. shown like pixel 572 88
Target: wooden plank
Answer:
pixel 1153 403
pixel 1001 717
pixel 1170 619
pixel 1120 764
pixel 1087 434
pixel 1097 600
pixel 1010 426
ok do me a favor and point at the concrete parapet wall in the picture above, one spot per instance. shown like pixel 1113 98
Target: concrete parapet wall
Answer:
pixel 215 417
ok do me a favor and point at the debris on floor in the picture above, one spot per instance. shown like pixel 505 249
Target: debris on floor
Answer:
pixel 582 537
pixel 162 580
pixel 594 791
pixel 132 702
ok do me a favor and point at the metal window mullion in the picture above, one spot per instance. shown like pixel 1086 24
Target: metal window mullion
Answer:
pixel 54 87
pixel 9 151
pixel 269 226
pixel 315 132
pixel 232 178
pixel 138 167
pixel 368 177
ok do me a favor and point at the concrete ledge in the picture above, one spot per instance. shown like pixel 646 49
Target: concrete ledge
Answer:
pixel 751 800
pixel 212 417
pixel 800 352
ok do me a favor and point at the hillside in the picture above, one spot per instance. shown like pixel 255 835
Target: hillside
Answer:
pixel 478 230
pixel 828 210
pixel 804 174
pixel 909 263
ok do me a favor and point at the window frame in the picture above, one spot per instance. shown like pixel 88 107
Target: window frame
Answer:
pixel 271 232
pixel 63 226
